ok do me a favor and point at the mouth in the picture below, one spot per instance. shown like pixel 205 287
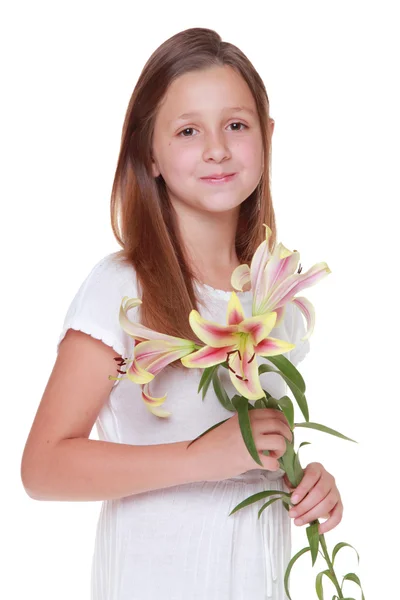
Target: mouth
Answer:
pixel 219 178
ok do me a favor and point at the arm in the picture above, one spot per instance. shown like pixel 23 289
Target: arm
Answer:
pixel 60 462
pixel 82 469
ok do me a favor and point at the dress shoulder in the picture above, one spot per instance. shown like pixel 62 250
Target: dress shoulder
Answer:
pixel 95 306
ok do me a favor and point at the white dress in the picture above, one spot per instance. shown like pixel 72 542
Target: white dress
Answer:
pixel 179 542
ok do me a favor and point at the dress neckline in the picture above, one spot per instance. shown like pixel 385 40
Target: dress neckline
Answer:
pixel 223 293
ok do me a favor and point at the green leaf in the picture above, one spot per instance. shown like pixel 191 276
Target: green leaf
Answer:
pixel 287 462
pixel 256 497
pixel 206 379
pixel 271 402
pixel 221 393
pixel 264 506
pixel 313 540
pixel 353 577
pixel 338 547
pixel 318 583
pixel 286 405
pixel 324 429
pixel 207 430
pixel 289 568
pixel 297 393
pixel 241 404
pixel 297 468
pixel 288 369
pixel 237 397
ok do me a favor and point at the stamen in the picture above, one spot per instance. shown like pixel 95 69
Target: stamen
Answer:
pixel 230 368
pixel 120 360
pixel 241 378
pixel 252 358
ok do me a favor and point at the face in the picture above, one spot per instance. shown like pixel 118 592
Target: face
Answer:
pixel 216 138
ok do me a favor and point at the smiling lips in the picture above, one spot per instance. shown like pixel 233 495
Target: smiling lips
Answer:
pixel 219 178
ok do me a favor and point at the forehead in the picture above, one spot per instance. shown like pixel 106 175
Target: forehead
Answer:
pixel 207 93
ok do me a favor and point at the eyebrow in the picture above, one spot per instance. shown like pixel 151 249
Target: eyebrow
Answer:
pixel 230 108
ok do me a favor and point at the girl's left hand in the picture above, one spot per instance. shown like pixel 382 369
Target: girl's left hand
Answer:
pixel 318 497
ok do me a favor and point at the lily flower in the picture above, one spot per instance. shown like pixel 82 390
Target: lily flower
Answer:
pixel 154 351
pixel 275 281
pixel 238 342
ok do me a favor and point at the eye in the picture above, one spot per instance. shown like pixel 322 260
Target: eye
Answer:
pixel 184 130
pixel 193 129
pixel 238 123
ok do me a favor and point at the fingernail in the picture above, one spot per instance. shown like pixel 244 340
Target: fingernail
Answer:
pixel 295 498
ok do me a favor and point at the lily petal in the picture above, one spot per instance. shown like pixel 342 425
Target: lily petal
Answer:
pixel 154 355
pixel 288 288
pixel 207 357
pixel 309 312
pixel 280 313
pixel 138 375
pixel 240 277
pixel 258 327
pixel 235 313
pixel 137 330
pixel 153 403
pixel 243 371
pixel 212 334
pixel 272 347
pixel 282 263
pixel 259 260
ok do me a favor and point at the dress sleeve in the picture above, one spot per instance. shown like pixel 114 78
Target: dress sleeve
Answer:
pixel 95 307
pixel 298 329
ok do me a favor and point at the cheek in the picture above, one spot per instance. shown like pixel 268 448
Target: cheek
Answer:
pixel 182 161
pixel 251 154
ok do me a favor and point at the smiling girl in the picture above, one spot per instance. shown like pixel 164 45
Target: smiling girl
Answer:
pixel 190 196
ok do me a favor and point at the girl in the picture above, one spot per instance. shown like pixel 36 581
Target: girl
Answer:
pixel 190 196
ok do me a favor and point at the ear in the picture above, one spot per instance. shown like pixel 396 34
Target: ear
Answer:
pixel 271 125
pixel 154 168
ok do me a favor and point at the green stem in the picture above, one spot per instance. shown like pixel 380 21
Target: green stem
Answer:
pixel 330 565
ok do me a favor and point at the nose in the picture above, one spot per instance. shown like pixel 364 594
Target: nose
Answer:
pixel 216 148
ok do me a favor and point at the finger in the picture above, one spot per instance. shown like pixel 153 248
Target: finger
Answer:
pixel 274 443
pixel 271 413
pixel 335 517
pixel 312 474
pixel 274 426
pixel 269 462
pixel 319 492
pixel 322 508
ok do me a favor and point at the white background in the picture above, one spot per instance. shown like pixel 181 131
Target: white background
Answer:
pixel 331 72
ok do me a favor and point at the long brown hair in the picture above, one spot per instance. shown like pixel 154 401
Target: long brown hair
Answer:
pixel 142 217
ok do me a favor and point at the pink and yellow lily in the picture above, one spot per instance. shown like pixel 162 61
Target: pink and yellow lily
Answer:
pixel 275 281
pixel 238 343
pixel 153 352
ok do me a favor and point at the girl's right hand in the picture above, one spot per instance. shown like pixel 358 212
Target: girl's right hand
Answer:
pixel 223 453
